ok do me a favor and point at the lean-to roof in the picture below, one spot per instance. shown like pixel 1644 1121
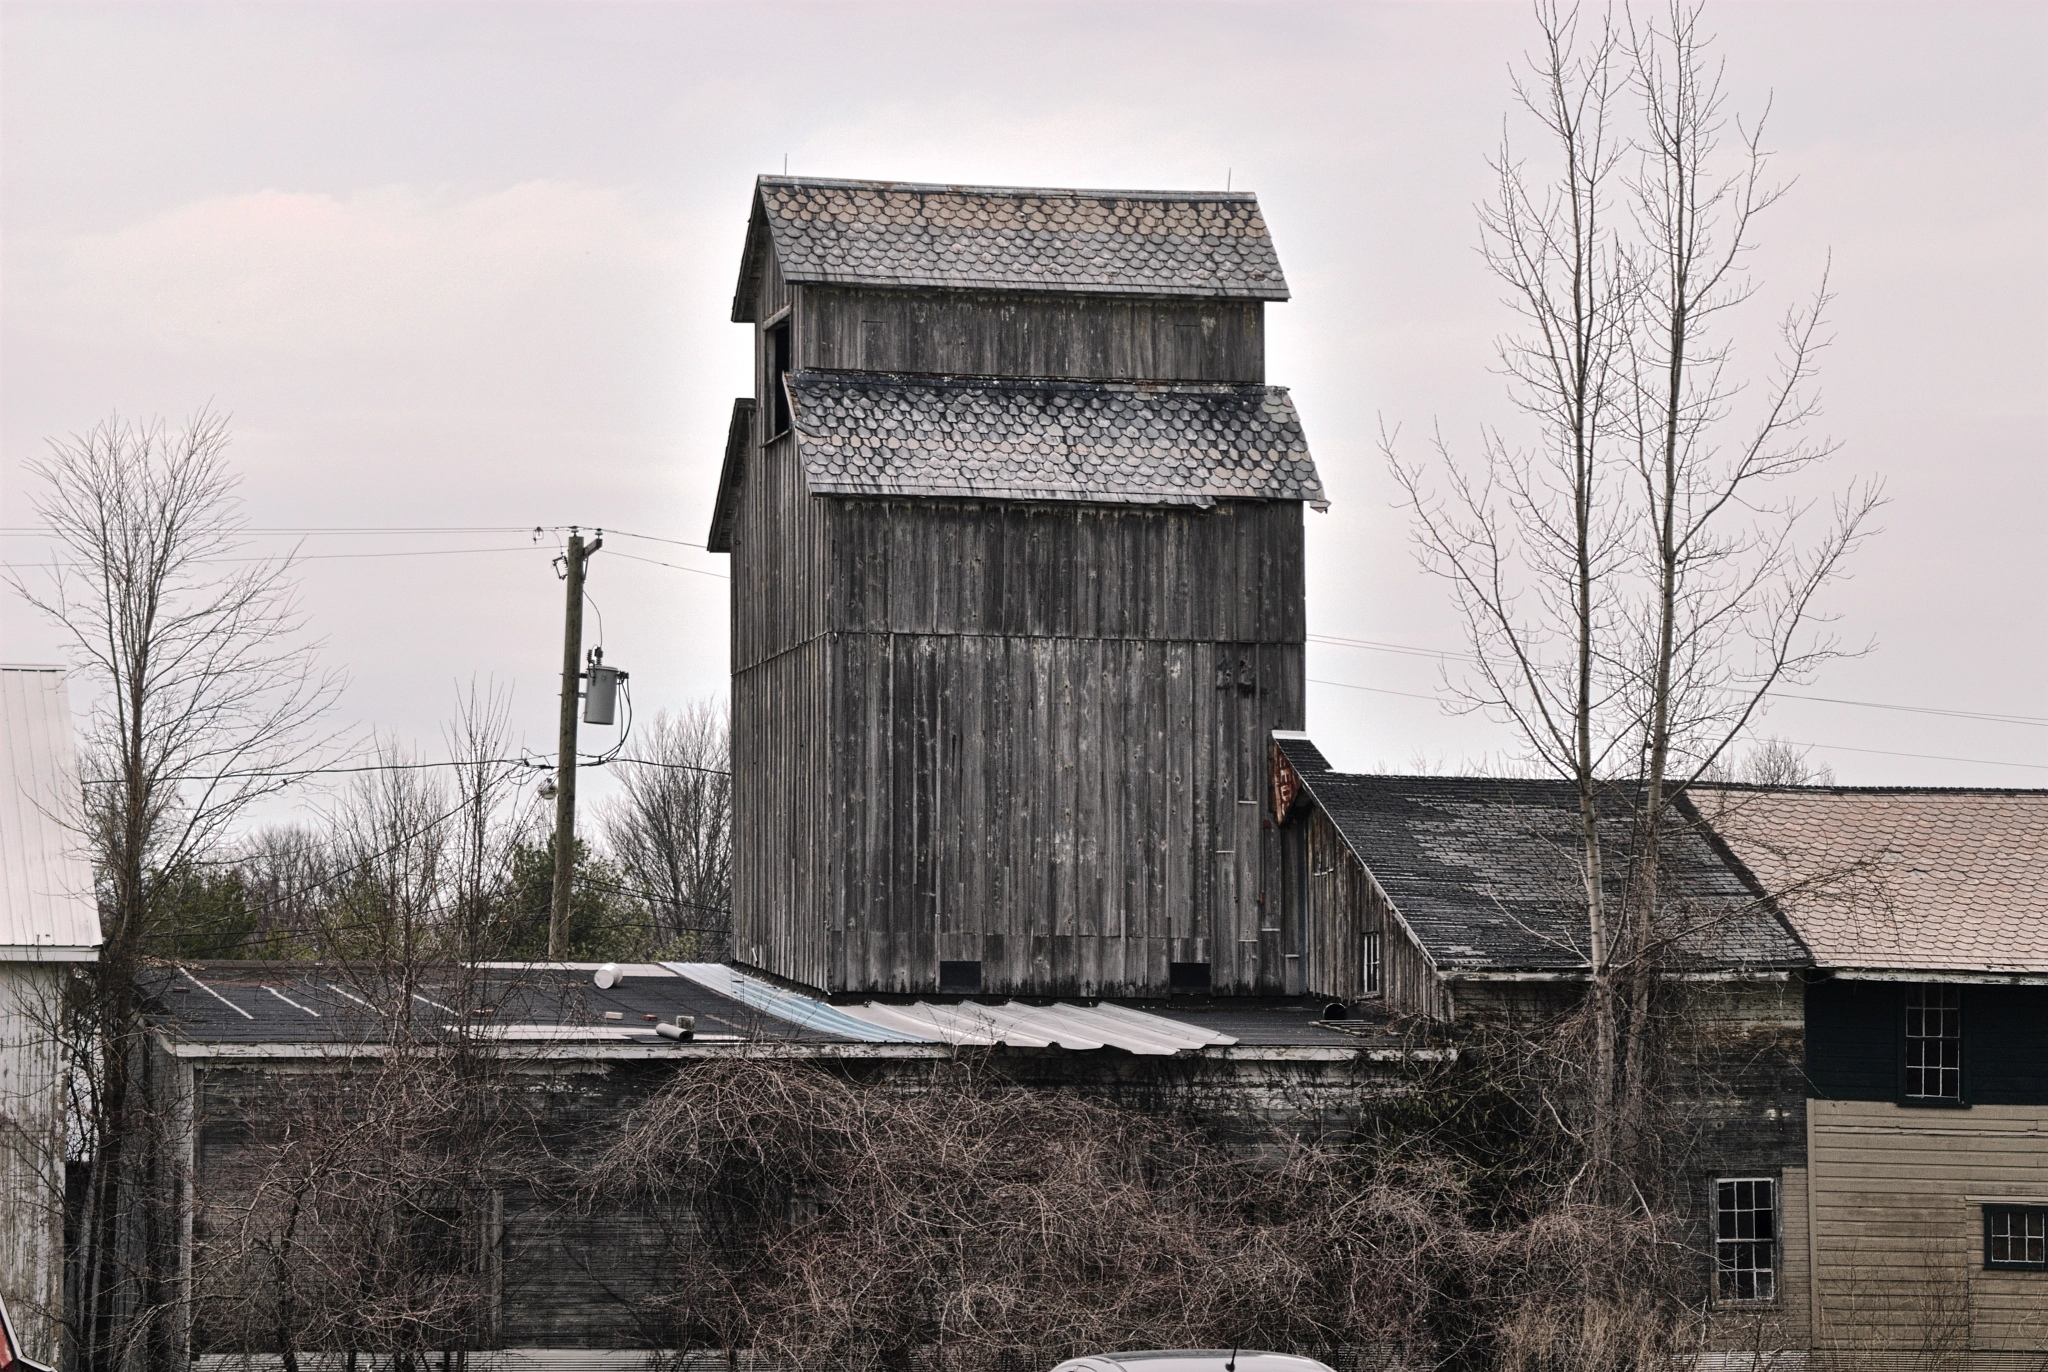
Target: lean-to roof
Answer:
pixel 1182 444
pixel 1487 874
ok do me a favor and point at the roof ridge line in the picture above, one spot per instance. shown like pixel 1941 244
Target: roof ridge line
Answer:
pixel 1016 192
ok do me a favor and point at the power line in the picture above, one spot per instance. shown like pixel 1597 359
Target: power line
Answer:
pixel 655 538
pixel 1829 747
pixel 44 531
pixel 1932 757
pixel 635 557
pixel 294 773
pixel 1410 650
pixel 1376 690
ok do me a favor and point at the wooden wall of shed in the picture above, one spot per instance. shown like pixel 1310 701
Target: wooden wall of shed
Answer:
pixel 1898 1198
pixel 32 1152
pixel 1341 905
pixel 979 333
pixel 568 1277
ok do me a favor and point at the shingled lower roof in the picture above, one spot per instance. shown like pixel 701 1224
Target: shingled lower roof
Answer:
pixel 1895 880
pixel 1485 871
pixel 896 233
pixel 866 434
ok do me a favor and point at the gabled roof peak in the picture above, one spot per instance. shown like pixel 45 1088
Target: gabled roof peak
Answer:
pixel 1192 244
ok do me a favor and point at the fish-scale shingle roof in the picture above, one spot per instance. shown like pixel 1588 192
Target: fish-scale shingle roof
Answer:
pixel 1193 444
pixel 1889 879
pixel 1486 874
pixel 894 233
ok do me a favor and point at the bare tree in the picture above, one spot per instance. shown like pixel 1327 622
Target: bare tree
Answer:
pixel 205 695
pixel 484 781
pixel 969 1222
pixel 1634 581
pixel 671 831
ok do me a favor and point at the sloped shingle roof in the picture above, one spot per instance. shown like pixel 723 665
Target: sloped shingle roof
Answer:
pixel 1890 879
pixel 1486 871
pixel 897 233
pixel 867 434
pixel 46 894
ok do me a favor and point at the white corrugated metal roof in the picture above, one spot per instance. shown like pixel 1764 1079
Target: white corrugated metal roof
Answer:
pixel 47 908
pixel 1041 1026
pixel 789 1005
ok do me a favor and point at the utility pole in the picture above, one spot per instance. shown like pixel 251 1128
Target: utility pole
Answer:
pixel 565 774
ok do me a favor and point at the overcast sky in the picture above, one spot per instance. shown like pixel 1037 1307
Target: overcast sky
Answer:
pixel 471 265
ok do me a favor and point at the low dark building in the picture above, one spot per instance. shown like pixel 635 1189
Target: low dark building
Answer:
pixel 278 1078
pixel 1461 901
pixel 1016 537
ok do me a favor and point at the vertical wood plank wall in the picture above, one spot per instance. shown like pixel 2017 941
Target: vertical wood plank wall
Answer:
pixel 1052 731
pixel 1343 905
pixel 1032 736
pixel 961 333
pixel 781 667
pixel 32 1152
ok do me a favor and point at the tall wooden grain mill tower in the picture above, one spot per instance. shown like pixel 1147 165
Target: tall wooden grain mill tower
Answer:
pixel 1016 538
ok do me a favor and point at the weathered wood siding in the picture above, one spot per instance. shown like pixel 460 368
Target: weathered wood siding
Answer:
pixel 1898 1229
pixel 1233 573
pixel 1026 735
pixel 1339 905
pixel 1073 813
pixel 965 333
pixel 1051 725
pixel 568 1276
pixel 783 751
pixel 32 1152
pixel 780 689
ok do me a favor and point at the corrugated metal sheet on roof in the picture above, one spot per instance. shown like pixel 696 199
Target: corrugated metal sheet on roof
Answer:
pixel 1075 1027
pixel 797 1009
pixel 47 908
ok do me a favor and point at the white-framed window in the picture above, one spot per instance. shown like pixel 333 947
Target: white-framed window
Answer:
pixel 2016 1238
pixel 1746 1239
pixel 1371 966
pixel 1934 1043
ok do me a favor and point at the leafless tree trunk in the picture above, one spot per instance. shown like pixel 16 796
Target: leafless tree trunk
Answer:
pixel 1633 584
pixel 483 782
pixel 672 829
pixel 1534 539
pixel 205 694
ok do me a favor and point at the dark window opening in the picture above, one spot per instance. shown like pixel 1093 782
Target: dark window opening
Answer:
pixel 1746 1239
pixel 775 354
pixel 960 978
pixel 2016 1237
pixel 1374 986
pixel 1934 1043
pixel 1187 976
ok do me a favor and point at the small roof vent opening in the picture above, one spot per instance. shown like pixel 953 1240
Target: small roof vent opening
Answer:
pixel 1187 978
pixel 960 978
